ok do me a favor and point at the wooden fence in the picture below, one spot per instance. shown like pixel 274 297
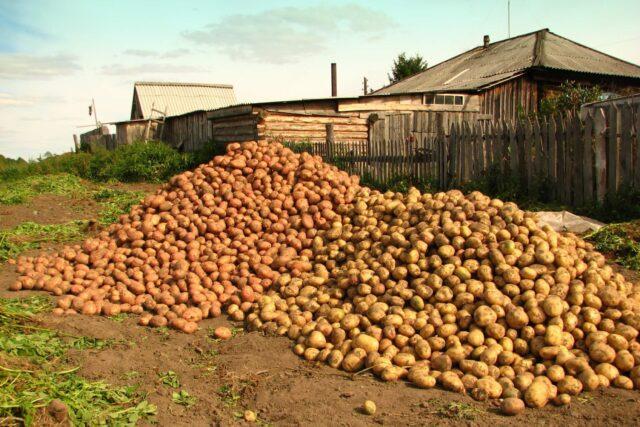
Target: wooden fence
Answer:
pixel 581 160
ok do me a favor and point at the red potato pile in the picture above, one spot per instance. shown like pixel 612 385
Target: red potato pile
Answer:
pixel 211 238
pixel 466 292
pixel 462 291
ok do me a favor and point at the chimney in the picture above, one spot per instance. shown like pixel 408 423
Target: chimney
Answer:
pixel 334 80
pixel 485 40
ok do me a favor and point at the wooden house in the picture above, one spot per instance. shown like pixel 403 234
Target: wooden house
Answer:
pixel 498 81
pixel 512 76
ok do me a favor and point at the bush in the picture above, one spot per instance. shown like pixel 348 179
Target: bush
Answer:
pixel 140 161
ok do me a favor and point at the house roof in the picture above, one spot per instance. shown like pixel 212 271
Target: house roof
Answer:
pixel 482 66
pixel 180 98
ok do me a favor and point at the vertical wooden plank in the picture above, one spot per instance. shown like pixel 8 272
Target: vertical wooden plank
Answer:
pixel 528 153
pixel 600 150
pixel 626 148
pixel 578 162
pixel 636 167
pixel 560 159
pixel 587 160
pixel 331 139
pixel 537 149
pixel 513 147
pixel 612 150
pixel 452 156
pixel 506 146
pixel 552 150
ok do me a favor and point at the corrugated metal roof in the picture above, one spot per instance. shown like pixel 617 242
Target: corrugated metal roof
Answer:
pixel 481 67
pixel 180 98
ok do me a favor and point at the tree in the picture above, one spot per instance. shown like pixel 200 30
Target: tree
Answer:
pixel 570 97
pixel 404 67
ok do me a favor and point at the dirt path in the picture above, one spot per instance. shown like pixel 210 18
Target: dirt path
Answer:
pixel 259 373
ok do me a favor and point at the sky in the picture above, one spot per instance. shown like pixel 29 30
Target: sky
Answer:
pixel 56 56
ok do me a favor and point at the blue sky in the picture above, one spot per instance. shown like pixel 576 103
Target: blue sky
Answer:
pixel 55 56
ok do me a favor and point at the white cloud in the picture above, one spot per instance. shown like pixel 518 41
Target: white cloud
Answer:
pixel 145 53
pixel 149 68
pixel 18 66
pixel 8 100
pixel 287 34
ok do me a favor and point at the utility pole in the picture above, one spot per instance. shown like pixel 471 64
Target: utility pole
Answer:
pixel 366 86
pixel 92 109
pixel 509 18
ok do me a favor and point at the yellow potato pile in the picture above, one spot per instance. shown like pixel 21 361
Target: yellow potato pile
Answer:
pixel 211 238
pixel 462 291
pixel 466 292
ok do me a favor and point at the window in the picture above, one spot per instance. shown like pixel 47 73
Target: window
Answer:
pixel 443 99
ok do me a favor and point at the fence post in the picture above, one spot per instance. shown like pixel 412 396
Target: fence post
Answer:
pixel 626 148
pixel 587 159
pixel 600 144
pixel 612 150
pixel 331 139
pixel 636 169
pixel 453 155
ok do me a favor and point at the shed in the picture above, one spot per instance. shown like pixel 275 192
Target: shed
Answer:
pixel 174 98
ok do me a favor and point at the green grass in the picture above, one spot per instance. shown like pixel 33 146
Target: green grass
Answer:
pixel 228 395
pixel 183 398
pixel 618 240
pixel 115 202
pixel 458 410
pixel 170 379
pixel 30 235
pixel 20 191
pixel 32 373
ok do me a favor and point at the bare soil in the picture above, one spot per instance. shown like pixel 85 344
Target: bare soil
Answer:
pixel 260 373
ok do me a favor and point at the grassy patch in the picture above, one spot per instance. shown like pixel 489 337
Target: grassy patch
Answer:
pixel 32 374
pixel 20 191
pixel 31 235
pixel 115 202
pixel 458 410
pixel 621 240
pixel 228 395
pixel 183 398
pixel 169 378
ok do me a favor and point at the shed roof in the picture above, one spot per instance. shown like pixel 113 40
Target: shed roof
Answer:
pixel 180 98
pixel 482 66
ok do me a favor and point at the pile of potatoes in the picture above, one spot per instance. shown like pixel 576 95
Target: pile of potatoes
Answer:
pixel 210 239
pixel 462 291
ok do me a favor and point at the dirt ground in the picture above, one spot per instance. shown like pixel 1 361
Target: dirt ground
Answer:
pixel 259 373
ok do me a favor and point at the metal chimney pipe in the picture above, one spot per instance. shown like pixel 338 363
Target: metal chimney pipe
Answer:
pixel 485 40
pixel 334 80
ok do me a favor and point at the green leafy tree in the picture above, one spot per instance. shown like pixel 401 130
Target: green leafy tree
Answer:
pixel 571 96
pixel 404 66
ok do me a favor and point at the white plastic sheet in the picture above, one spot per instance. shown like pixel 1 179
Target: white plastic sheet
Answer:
pixel 566 221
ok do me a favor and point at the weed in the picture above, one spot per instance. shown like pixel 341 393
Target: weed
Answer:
pixel 129 375
pixel 169 378
pixel 30 235
pixel 458 410
pixel 183 398
pixel 615 239
pixel 228 395
pixel 19 339
pixel 163 331
pixel 20 191
pixel 115 202
pixel 31 378
pixel 119 318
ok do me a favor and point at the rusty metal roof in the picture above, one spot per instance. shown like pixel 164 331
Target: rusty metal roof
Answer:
pixel 481 66
pixel 180 98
